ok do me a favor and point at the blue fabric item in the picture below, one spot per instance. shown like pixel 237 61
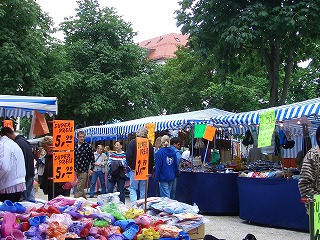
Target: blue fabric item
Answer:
pixel 283 137
pixel 264 201
pixel 211 192
pixel 124 224
pixel 131 231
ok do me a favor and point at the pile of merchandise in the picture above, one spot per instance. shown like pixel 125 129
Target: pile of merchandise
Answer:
pixel 108 218
pixel 262 165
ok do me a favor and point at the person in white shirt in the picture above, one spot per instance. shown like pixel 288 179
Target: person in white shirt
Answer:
pixel 12 170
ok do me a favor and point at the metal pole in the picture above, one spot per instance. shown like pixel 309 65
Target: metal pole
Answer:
pixel 192 143
pixel 146 194
pixel 205 156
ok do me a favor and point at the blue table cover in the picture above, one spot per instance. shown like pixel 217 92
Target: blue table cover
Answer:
pixel 272 201
pixel 212 192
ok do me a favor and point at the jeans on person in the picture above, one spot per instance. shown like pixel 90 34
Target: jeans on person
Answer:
pixel 28 194
pixel 136 185
pixel 173 189
pixel 165 189
pixel 82 180
pixel 95 176
pixel 120 185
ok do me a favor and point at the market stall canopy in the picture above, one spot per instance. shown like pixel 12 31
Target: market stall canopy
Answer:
pixel 309 108
pixel 162 122
pixel 23 106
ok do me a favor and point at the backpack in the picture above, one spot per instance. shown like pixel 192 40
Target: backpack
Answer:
pixel 248 139
pixel 284 141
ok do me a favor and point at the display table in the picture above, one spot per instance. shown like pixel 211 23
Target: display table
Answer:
pixel 272 201
pixel 212 192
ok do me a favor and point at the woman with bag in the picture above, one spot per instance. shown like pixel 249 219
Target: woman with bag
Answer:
pixel 100 161
pixel 117 170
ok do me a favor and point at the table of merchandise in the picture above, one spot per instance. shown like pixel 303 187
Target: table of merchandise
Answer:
pixel 212 192
pixel 272 201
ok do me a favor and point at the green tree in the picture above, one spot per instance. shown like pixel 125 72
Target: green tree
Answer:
pixel 24 33
pixel 105 75
pixel 281 33
pixel 191 82
pixel 184 77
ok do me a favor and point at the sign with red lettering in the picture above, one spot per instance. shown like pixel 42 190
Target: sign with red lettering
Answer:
pixel 63 166
pixel 142 159
pixel 63 132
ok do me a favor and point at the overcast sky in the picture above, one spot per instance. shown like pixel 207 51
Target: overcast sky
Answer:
pixel 150 18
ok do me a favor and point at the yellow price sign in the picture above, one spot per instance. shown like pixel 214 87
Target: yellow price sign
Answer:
pixel 63 132
pixel 63 166
pixel 151 131
pixel 266 128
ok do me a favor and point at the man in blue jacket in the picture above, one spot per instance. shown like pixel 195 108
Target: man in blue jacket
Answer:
pixel 175 145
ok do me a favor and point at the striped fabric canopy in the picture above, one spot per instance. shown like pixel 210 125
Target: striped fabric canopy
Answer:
pixel 163 122
pixel 23 106
pixel 286 112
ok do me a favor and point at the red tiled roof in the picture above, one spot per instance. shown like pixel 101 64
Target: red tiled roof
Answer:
pixel 164 46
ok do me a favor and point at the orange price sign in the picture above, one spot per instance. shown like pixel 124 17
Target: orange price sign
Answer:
pixel 63 132
pixel 8 123
pixel 209 133
pixel 63 166
pixel 142 160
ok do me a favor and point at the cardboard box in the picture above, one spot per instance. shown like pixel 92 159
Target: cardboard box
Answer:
pixel 197 233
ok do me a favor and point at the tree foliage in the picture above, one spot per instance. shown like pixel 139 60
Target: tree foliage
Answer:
pixel 106 76
pixel 24 32
pixel 281 33
pixel 192 83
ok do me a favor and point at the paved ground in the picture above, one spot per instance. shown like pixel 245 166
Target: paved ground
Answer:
pixel 233 228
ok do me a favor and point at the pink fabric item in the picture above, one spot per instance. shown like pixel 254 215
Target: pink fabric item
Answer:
pixel 8 224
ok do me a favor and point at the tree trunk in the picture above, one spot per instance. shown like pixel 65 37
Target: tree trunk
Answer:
pixel 287 69
pixel 272 61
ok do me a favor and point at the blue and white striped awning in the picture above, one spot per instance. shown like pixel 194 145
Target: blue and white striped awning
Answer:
pixel 307 108
pixel 23 106
pixel 162 122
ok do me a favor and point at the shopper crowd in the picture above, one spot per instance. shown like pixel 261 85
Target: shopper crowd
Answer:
pixel 114 170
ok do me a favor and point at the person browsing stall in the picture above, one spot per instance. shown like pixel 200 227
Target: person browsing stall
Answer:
pixel 138 185
pixel 12 170
pixel 26 148
pixel 116 173
pixel 47 184
pixel 84 158
pixel 309 184
pixel 166 167
pixel 98 171
pixel 176 146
